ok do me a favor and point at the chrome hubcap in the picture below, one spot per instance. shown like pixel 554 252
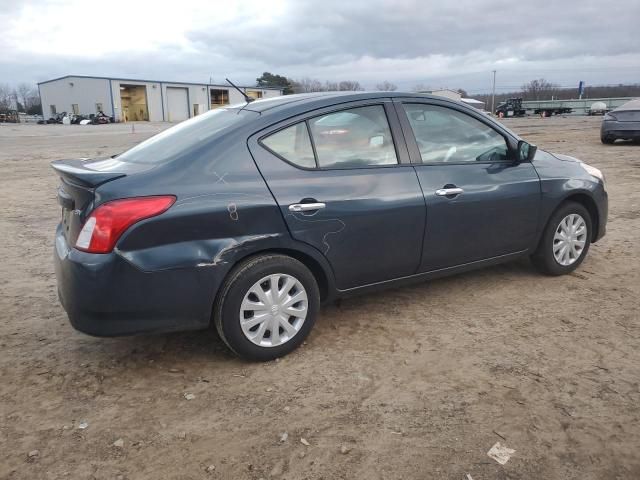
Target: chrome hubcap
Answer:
pixel 273 310
pixel 569 239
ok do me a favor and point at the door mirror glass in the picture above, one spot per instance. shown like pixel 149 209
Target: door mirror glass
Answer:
pixel 526 151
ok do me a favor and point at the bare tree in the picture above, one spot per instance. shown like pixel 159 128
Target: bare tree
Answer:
pixel 539 89
pixel 350 85
pixel 420 87
pixel 24 94
pixel 307 85
pixel 5 97
pixel 386 87
pixel 331 86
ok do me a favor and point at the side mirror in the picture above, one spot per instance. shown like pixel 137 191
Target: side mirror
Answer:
pixel 525 151
pixel 376 141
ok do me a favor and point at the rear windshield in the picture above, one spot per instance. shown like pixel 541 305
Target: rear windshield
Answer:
pixel 177 140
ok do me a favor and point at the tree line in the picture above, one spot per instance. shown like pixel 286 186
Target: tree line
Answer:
pixel 538 89
pixel 23 98
pixel 541 89
pixel 309 85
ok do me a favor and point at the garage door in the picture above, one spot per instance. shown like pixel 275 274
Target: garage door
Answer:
pixel 177 104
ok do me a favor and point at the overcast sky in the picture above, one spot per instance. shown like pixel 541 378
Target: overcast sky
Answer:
pixel 408 42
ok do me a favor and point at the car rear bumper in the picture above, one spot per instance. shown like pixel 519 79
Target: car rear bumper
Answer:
pixel 105 295
pixel 620 130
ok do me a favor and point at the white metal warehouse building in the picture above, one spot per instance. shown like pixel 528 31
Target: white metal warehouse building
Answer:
pixel 129 100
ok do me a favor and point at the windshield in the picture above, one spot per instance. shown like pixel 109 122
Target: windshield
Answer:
pixel 175 141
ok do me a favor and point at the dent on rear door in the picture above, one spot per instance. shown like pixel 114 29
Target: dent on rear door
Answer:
pixel 373 225
pixel 223 210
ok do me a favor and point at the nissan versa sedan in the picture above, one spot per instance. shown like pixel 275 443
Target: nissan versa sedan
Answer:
pixel 249 217
pixel 621 123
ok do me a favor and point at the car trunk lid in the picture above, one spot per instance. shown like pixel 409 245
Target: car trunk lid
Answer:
pixel 627 115
pixel 79 179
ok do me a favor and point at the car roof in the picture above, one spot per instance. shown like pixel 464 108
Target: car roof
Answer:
pixel 309 100
pixel 631 105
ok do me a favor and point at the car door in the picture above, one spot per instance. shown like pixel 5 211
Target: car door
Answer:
pixel 481 203
pixel 345 185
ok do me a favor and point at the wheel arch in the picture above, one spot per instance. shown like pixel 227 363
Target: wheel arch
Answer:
pixel 319 269
pixel 583 198
pixel 589 203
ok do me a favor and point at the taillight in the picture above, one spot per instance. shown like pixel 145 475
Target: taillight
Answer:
pixel 110 220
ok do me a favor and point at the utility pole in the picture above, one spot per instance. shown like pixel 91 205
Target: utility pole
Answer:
pixel 493 94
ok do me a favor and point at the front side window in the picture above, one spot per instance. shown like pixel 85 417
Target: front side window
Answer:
pixel 449 136
pixel 357 137
pixel 292 144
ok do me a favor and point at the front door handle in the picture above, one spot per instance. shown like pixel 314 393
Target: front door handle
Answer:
pixel 445 192
pixel 306 207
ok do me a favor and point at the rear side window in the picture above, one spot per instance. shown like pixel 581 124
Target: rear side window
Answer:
pixel 179 140
pixel 293 144
pixel 358 137
pixel 353 138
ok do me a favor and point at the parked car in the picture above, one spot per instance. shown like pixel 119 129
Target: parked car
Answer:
pixel 249 217
pixel 623 123
pixel 597 108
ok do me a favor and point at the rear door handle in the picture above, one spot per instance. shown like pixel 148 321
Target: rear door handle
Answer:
pixel 445 192
pixel 306 207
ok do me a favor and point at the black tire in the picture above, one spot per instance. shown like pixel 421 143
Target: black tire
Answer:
pixel 543 258
pixel 607 140
pixel 226 314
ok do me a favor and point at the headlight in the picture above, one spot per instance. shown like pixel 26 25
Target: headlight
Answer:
pixel 593 171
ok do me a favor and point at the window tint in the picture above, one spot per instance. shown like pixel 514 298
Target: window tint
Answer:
pixel 446 135
pixel 293 145
pixel 357 137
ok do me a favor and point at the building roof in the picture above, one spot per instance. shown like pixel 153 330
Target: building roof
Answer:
pixel 472 101
pixel 157 81
pixel 440 90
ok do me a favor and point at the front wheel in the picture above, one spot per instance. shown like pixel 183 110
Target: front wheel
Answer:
pixel 565 241
pixel 267 307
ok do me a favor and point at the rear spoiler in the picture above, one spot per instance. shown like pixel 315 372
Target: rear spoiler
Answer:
pixel 78 173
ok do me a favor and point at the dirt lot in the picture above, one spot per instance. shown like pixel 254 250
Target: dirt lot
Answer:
pixel 414 383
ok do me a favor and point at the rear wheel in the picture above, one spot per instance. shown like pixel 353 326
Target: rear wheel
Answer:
pixel 565 241
pixel 267 307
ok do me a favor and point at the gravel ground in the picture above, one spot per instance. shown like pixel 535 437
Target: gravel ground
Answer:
pixel 418 382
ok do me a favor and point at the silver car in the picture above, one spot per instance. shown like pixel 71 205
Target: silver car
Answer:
pixel 622 123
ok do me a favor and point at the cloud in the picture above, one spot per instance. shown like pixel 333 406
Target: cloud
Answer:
pixel 404 41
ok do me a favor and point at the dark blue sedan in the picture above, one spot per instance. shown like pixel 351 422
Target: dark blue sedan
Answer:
pixel 249 217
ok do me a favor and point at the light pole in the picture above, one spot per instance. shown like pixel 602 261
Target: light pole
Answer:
pixel 493 93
